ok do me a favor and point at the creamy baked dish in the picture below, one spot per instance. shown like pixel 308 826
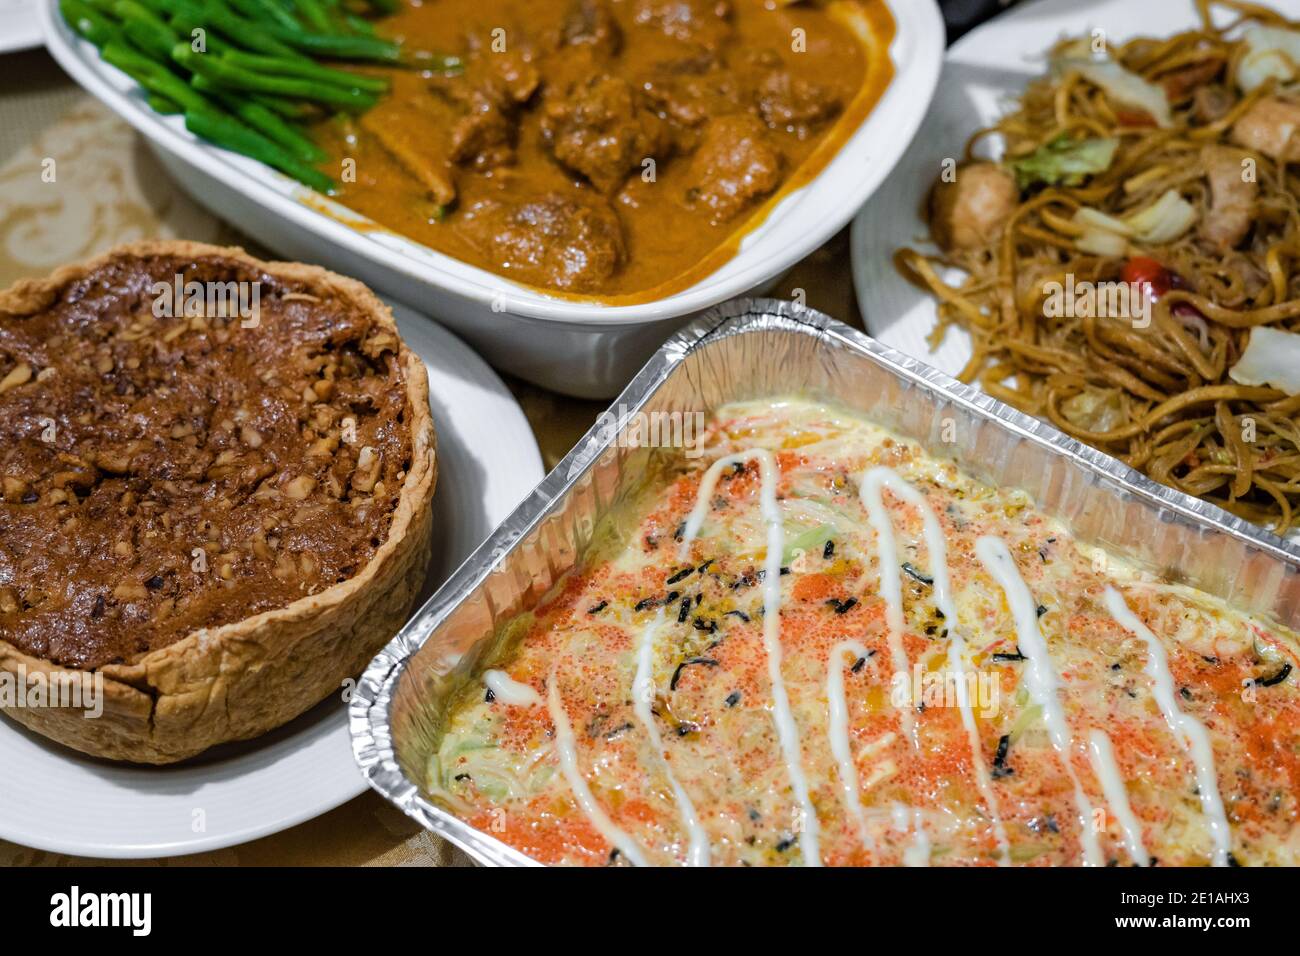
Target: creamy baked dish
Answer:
pixel 820 645
pixel 216 478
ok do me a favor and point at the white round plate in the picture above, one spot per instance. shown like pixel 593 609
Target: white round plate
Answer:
pixel 58 800
pixel 982 73
pixel 20 27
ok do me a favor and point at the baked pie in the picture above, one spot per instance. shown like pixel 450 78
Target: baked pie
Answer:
pixel 216 477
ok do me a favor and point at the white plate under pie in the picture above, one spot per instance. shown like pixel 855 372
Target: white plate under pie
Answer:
pixel 56 799
pixel 983 73
pixel 20 27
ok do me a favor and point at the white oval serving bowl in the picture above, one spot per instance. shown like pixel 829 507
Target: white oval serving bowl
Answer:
pixel 579 347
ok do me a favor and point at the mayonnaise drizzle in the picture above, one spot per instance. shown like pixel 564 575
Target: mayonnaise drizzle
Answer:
pixel 916 853
pixel 643 692
pixel 1040 676
pixel 837 729
pixel 786 729
pixel 1187 730
pixel 1102 756
pixel 567 749
pixel 509 691
pixel 937 545
pixel 890 581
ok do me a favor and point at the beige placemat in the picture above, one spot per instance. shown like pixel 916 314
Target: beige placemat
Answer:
pixel 106 189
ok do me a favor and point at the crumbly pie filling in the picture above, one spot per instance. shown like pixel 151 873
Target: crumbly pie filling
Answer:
pixel 162 474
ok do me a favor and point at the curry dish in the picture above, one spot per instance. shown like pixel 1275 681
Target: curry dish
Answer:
pixel 617 148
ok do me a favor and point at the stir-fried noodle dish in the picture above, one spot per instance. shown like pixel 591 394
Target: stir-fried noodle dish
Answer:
pixel 1129 269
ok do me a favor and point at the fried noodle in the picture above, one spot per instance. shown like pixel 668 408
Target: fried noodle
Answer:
pixel 1157 397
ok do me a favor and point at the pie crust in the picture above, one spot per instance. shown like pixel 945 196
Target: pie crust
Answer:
pixel 243 678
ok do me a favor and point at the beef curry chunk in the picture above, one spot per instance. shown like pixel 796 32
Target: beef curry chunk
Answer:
pixel 485 136
pixel 705 23
pixel 552 241
pixel 692 89
pixel 793 104
pixel 735 165
pixel 590 23
pixel 596 128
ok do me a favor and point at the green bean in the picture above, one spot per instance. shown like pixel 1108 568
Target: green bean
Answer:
pixel 271 126
pixel 187 26
pixel 262 11
pixel 315 15
pixel 163 105
pixel 123 9
pixel 290 109
pixel 358 24
pixel 104 8
pixel 231 134
pixel 161 8
pixel 214 15
pixel 306 70
pixel 218 69
pixel 154 77
pixel 144 39
pixel 338 46
pixel 144 29
pixel 90 24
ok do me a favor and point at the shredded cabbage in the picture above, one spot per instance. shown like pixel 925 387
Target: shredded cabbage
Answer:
pixel 1121 84
pixel 1065 161
pixel 1272 357
pixel 1163 221
pixel 1272 54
